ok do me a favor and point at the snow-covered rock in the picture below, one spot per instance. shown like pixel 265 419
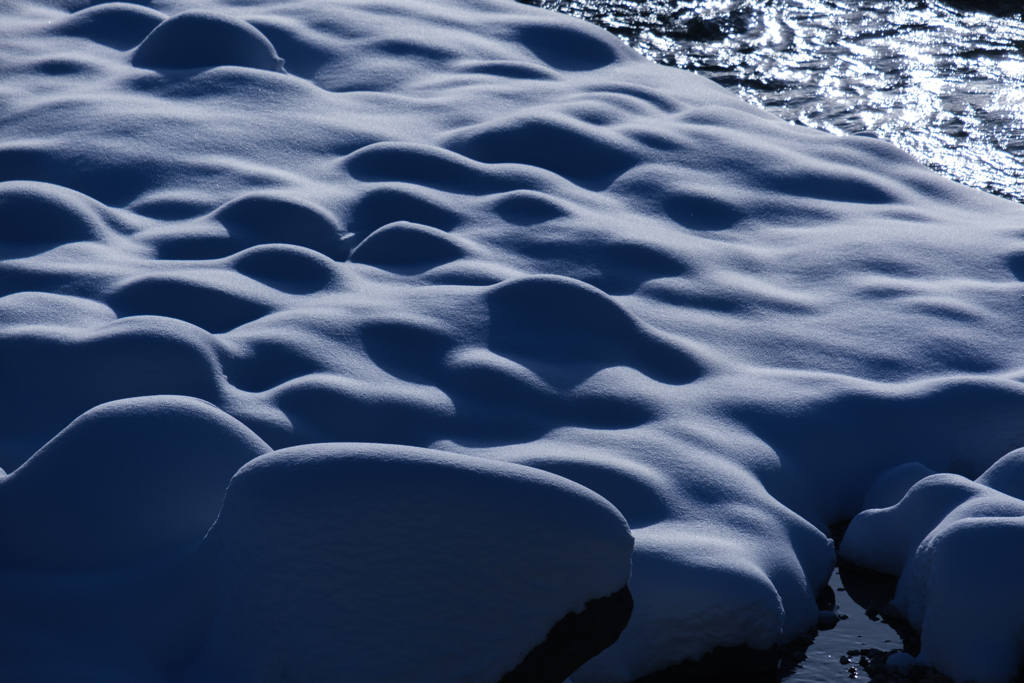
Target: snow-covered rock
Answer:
pixel 128 481
pixel 957 546
pixel 394 563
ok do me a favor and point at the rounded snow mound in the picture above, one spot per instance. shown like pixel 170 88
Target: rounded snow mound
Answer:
pixel 335 557
pixel 957 546
pixel 127 482
pixel 199 39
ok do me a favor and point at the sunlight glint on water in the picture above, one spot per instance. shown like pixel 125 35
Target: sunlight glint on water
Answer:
pixel 945 84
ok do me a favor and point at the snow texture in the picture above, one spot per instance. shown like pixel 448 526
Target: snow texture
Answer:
pixel 957 546
pixel 348 336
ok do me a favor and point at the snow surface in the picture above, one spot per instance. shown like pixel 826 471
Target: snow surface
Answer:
pixel 958 547
pixel 462 282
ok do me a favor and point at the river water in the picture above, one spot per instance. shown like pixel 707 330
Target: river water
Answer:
pixel 942 80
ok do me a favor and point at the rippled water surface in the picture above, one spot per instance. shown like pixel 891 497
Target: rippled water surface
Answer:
pixel 943 81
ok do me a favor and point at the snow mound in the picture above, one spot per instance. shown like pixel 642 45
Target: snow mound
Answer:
pixel 957 546
pixel 126 482
pixel 196 39
pixel 1006 474
pixel 485 237
pixel 379 561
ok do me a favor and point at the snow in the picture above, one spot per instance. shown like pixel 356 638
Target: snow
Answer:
pixel 378 363
pixel 128 481
pixel 956 545
pixel 384 562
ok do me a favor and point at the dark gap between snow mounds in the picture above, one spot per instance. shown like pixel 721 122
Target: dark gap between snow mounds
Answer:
pixel 514 391
pixel 473 161
pixel 122 359
pixel 546 337
pixel 249 221
pixel 211 305
pixel 610 263
pixel 565 330
pixel 584 154
pixel 285 267
pixel 262 364
pixel 447 392
pixel 566 47
pixel 409 247
pixel 219 302
pixel 391 203
pixel 574 640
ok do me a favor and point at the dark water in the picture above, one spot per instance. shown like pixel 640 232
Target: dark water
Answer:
pixel 856 596
pixel 942 80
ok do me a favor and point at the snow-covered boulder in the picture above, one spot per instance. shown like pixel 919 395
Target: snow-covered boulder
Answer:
pixel 958 547
pixel 127 482
pixel 393 563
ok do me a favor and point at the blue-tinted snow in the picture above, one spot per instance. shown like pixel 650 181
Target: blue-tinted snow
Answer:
pixel 457 238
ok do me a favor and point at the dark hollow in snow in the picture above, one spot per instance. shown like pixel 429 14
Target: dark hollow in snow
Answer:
pixel 574 640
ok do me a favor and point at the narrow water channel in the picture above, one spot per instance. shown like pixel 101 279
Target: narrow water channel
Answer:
pixel 858 599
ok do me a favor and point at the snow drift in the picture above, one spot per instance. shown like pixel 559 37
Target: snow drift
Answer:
pixel 350 336
pixel 957 546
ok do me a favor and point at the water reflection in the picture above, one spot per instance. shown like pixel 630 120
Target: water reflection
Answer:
pixel 945 82
pixel 859 597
